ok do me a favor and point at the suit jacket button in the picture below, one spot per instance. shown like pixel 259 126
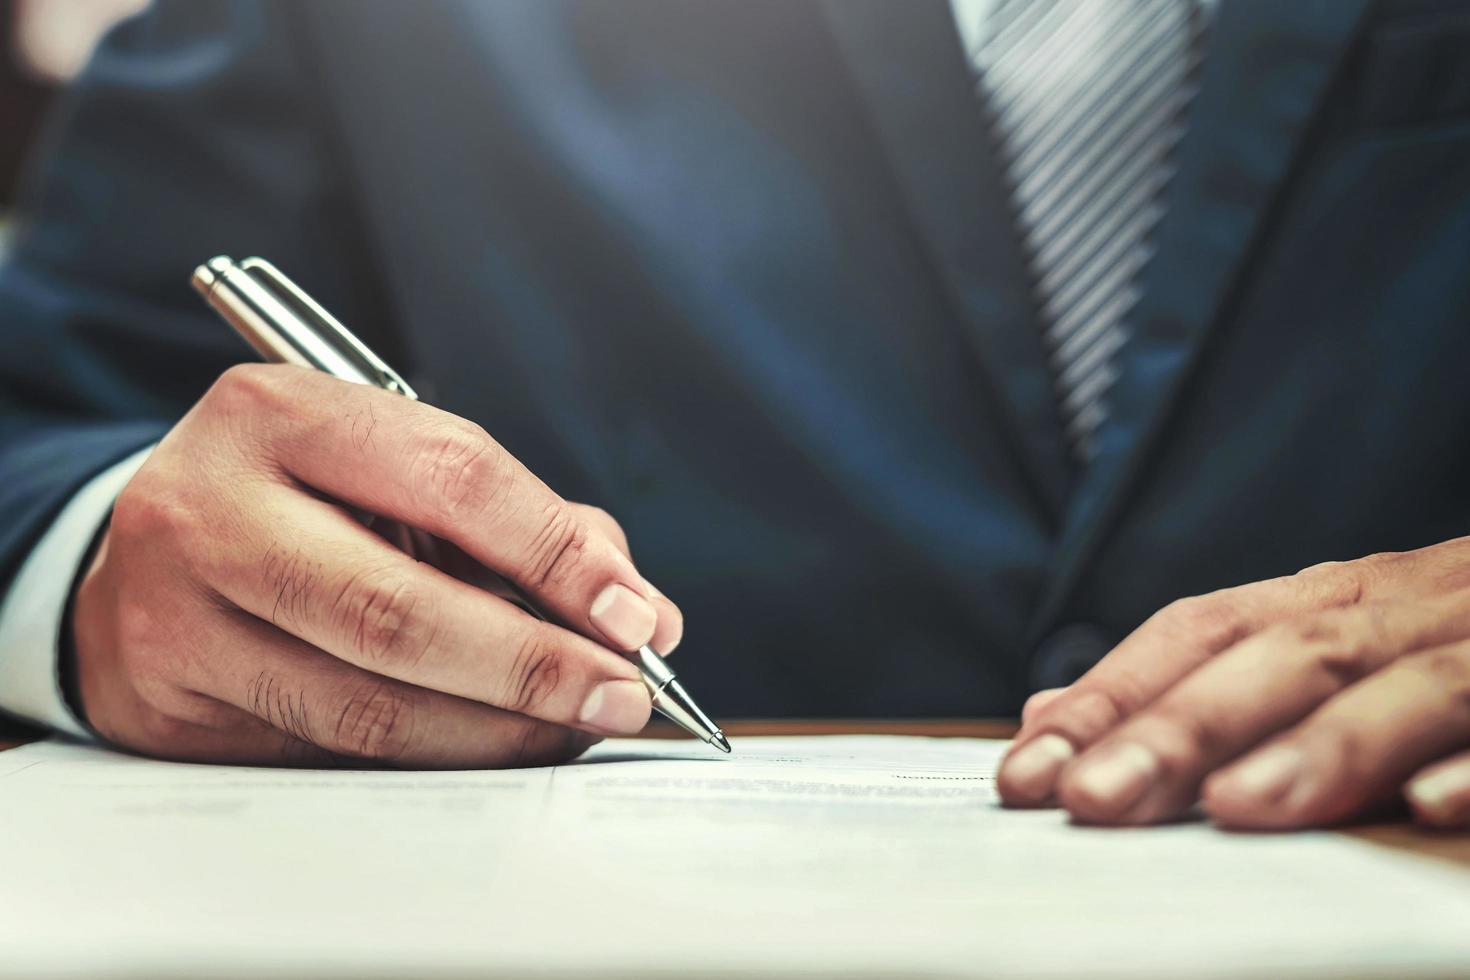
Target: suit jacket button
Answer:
pixel 1067 654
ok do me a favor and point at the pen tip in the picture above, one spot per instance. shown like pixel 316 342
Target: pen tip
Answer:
pixel 720 742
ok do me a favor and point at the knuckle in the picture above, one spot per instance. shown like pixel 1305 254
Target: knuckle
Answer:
pixel 604 522
pixel 1087 716
pixel 1344 664
pixel 149 510
pixel 1101 709
pixel 1373 626
pixel 1343 645
pixel 1381 560
pixel 559 550
pixel 1369 639
pixel 383 618
pixel 279 706
pixel 1183 737
pixel 1313 632
pixel 247 388
pixel 1321 570
pixel 535 673
pixel 293 579
pixel 376 721
pixel 1338 583
pixel 1038 701
pixel 463 473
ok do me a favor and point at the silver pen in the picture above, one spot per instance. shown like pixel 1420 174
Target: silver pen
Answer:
pixel 286 325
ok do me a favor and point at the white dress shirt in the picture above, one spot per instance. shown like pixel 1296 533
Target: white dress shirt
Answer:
pixel 30 617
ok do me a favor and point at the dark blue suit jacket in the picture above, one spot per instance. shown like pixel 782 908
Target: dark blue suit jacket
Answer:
pixel 743 274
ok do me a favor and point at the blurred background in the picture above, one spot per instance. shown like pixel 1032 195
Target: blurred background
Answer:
pixel 43 45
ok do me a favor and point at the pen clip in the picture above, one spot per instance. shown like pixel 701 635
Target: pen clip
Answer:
pixel 295 298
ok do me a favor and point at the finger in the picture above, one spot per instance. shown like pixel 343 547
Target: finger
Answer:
pixel 167 721
pixel 208 730
pixel 329 581
pixel 670 629
pixel 1037 701
pixel 1357 749
pixel 346 711
pixel 444 475
pixel 602 521
pixel 1173 642
pixel 1440 794
pixel 1150 767
pixel 236 737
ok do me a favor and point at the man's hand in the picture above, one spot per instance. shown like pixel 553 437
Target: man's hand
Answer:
pixel 237 611
pixel 1293 702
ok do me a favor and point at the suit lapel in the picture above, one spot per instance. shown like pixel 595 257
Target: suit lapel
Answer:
pixel 1266 66
pixel 907 63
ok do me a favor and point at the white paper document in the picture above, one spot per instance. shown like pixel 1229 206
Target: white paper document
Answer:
pixel 843 856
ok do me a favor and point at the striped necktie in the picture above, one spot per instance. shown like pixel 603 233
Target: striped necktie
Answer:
pixel 1086 100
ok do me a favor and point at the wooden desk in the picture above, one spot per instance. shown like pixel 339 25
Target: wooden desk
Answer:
pixel 1396 834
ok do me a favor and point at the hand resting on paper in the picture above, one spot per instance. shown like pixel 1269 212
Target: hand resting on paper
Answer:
pixel 1294 702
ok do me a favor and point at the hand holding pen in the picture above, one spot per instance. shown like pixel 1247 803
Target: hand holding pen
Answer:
pixel 236 611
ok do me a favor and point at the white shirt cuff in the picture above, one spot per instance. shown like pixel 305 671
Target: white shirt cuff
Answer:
pixel 30 618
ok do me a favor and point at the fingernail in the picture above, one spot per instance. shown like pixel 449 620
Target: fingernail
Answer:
pixel 1033 768
pixel 1437 795
pixel 1267 776
pixel 1118 774
pixel 616 707
pixel 624 617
